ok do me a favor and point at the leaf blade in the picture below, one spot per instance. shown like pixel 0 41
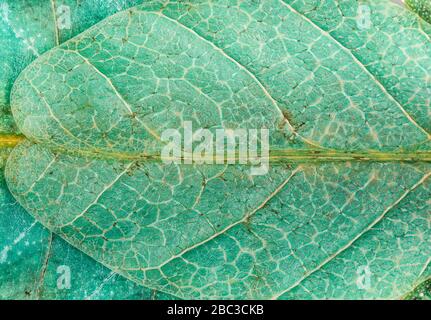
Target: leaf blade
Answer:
pixel 163 242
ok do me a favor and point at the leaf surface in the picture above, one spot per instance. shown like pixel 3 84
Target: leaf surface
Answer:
pixel 422 292
pixel 30 28
pixel 30 254
pixel 422 7
pixel 307 229
pixel 33 261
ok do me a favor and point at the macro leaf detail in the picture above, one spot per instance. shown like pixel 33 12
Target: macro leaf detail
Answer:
pixel 348 113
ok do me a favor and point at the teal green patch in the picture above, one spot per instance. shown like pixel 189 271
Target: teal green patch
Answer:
pixel 325 79
pixel 29 28
pixel 35 264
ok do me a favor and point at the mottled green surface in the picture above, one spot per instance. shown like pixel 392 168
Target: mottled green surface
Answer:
pixel 29 253
pixel 212 241
pixel 31 258
pixel 422 7
pixel 28 29
pixel 303 69
pixel 422 292
pixel 240 72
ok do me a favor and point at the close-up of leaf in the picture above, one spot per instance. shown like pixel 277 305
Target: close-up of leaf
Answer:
pixel 32 260
pixel 422 292
pixel 422 7
pixel 27 274
pixel 343 87
pixel 31 27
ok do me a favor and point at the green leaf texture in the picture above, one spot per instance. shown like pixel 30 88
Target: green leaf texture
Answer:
pixel 422 7
pixel 30 254
pixel 32 258
pixel 31 27
pixel 422 292
pixel 306 70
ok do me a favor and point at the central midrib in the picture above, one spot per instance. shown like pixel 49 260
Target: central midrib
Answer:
pixel 8 141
